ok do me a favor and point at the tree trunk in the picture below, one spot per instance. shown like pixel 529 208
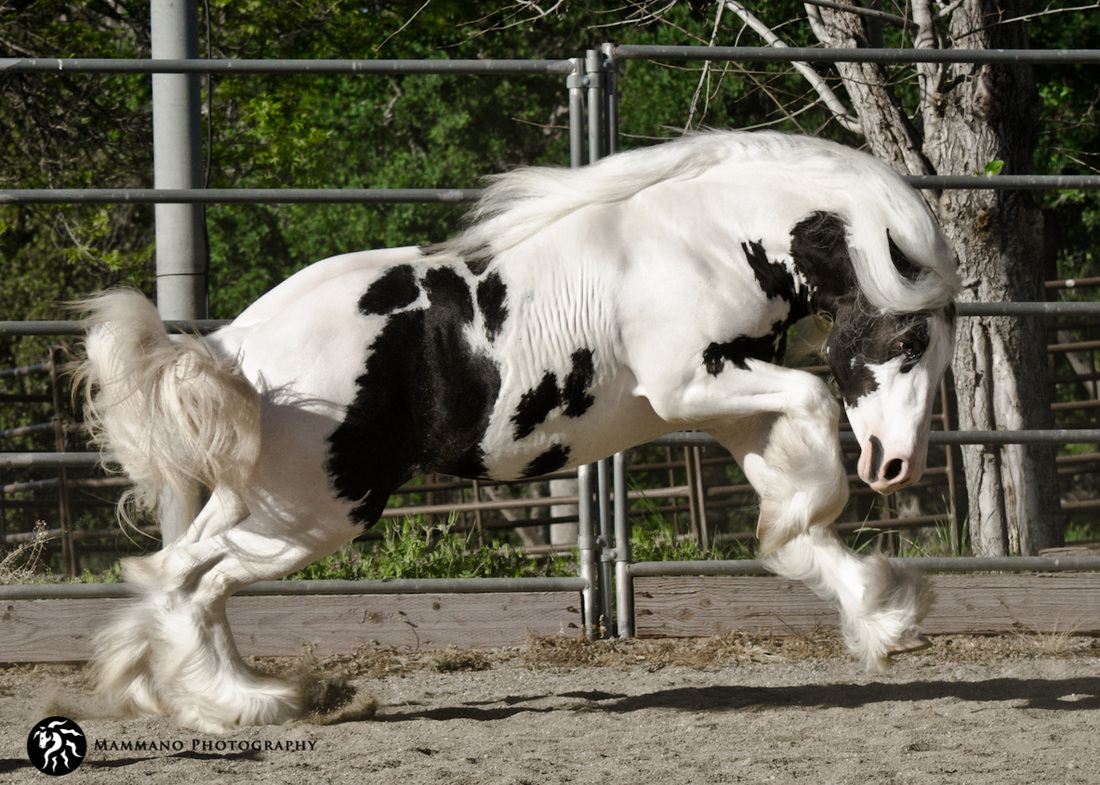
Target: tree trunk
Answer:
pixel 973 115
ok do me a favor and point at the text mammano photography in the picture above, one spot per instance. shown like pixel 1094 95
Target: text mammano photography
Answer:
pixel 58 746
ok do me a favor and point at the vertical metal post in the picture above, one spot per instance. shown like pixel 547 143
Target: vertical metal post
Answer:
pixel 593 63
pixel 606 542
pixel 68 547
pixel 594 83
pixel 586 545
pixel 586 539
pixel 611 98
pixel 177 163
pixel 624 584
pixel 575 82
pixel 956 535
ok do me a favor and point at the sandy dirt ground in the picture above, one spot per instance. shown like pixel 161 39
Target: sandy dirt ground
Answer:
pixel 1014 709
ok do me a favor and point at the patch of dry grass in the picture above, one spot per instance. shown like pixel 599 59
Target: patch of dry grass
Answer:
pixel 22 564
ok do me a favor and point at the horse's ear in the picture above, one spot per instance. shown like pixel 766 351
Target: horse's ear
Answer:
pixel 905 266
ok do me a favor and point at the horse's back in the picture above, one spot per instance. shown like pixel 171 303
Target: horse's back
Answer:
pixel 350 268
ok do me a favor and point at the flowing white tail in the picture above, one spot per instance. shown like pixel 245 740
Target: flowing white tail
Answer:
pixel 170 411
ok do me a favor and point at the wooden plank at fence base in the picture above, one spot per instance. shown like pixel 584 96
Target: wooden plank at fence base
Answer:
pixel 410 622
pixel 62 630
pixel 965 604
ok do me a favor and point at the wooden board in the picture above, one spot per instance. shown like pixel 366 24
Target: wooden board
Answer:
pixel 62 630
pixel 974 604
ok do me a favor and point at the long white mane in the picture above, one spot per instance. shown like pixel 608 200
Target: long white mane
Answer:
pixel 870 195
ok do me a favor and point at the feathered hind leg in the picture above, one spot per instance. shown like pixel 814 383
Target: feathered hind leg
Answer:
pixel 175 415
pixel 793 461
pixel 172 653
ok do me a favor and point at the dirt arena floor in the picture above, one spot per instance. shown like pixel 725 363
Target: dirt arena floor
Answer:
pixel 1003 710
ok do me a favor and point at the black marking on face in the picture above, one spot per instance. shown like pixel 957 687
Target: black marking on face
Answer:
pixel 876 457
pixel 775 279
pixel 862 337
pixel 550 461
pixel 575 390
pixel 819 249
pixel 393 290
pixel 906 267
pixel 535 406
pixel 912 342
pixel 491 293
pixel 767 348
pixel 422 403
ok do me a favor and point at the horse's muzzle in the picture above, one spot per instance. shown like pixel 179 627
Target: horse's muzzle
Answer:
pixel 886 471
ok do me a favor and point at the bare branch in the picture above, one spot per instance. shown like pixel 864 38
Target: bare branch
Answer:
pixel 1048 11
pixel 704 78
pixel 408 22
pixel 889 132
pixel 929 75
pixel 871 13
pixel 825 93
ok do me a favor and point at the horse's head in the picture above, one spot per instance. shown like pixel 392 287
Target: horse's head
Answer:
pixel 886 275
pixel 888 368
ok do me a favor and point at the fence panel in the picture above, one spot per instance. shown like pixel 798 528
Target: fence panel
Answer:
pixel 604 541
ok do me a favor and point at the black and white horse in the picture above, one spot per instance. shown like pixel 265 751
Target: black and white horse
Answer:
pixel 583 312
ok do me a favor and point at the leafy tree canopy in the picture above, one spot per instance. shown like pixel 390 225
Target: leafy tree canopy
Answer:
pixel 72 130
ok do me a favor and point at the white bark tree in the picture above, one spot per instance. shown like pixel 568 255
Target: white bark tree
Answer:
pixel 968 117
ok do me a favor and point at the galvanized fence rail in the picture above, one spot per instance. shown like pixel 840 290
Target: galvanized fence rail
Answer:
pixel 593 101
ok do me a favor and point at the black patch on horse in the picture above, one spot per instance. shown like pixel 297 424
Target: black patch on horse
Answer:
pixel 819 249
pixel 422 403
pixel 906 267
pixel 768 348
pixel 774 279
pixel 478 260
pixel 575 390
pixel 535 406
pixel 550 461
pixel 491 293
pixel 393 290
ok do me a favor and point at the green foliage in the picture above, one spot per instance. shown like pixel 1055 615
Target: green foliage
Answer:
pixel 935 540
pixel 654 537
pixel 1086 529
pixel 412 548
pixel 993 168
pixel 74 130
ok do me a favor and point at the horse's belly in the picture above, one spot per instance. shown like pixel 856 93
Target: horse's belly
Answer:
pixel 564 442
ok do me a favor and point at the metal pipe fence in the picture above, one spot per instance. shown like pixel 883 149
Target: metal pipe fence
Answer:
pixel 593 100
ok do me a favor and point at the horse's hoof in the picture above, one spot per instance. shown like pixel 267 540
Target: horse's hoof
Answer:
pixel 909 645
